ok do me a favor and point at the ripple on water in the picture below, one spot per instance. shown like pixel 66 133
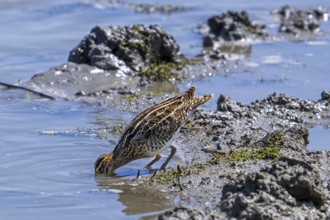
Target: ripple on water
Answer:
pixel 53 175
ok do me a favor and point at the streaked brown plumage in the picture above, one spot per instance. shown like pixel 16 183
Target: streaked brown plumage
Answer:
pixel 151 132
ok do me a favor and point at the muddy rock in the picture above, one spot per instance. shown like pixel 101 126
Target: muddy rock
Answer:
pixel 230 33
pixel 276 191
pixel 232 26
pixel 325 95
pixel 128 47
pixel 295 21
pixel 300 179
pixel 226 104
pixel 296 139
pixel 320 160
pixel 292 109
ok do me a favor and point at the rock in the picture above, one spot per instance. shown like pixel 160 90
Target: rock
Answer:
pixel 300 179
pixel 125 47
pixel 291 108
pixel 296 139
pixel 231 33
pixel 276 191
pixel 226 104
pixel 325 95
pixel 294 21
pixel 281 100
pixel 232 26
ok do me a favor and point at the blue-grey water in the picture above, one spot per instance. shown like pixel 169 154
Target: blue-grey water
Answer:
pixel 51 176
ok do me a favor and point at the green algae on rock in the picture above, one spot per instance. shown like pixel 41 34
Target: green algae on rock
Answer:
pixel 171 175
pixel 164 71
pixel 267 148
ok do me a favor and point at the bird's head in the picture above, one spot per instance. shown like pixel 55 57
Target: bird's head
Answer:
pixel 104 164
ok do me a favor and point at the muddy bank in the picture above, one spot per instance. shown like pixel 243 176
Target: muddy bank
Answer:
pixel 250 162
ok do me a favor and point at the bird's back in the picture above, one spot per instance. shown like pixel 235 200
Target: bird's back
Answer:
pixel 156 126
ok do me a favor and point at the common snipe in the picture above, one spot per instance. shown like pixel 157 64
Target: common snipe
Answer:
pixel 151 132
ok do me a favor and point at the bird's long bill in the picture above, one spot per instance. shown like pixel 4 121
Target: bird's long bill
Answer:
pixel 199 100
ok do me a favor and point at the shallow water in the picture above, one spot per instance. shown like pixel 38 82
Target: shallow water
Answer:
pixel 319 138
pixel 51 176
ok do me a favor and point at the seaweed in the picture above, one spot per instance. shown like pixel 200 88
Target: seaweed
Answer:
pixel 268 148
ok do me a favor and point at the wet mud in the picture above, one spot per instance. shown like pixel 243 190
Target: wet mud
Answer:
pixel 251 162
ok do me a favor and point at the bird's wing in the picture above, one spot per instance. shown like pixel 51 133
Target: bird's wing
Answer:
pixel 158 121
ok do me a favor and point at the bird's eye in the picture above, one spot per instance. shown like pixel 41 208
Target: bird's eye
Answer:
pixel 98 164
pixel 101 169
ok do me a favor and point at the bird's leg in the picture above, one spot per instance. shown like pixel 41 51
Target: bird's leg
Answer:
pixel 138 174
pixel 153 161
pixel 173 151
